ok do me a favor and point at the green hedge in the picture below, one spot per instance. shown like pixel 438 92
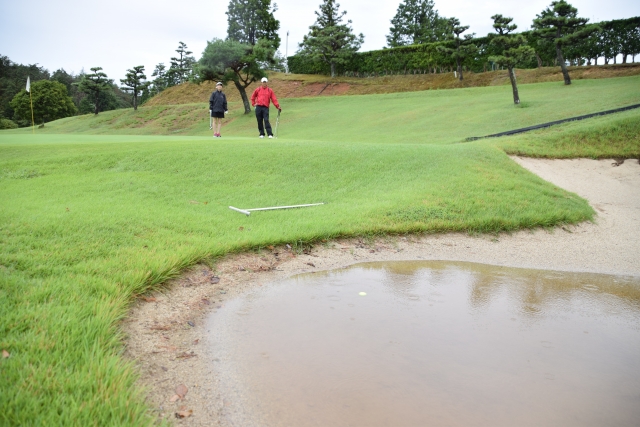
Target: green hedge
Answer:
pixel 421 58
pixel 615 37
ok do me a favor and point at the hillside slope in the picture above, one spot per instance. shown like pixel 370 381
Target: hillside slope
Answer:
pixel 305 85
pixel 433 116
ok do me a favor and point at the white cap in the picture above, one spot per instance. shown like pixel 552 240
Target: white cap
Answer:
pixel 219 84
pixel 264 79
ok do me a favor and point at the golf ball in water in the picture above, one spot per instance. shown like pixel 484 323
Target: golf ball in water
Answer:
pixel 362 294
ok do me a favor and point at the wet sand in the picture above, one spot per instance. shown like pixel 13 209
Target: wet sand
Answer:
pixel 431 343
pixel 164 330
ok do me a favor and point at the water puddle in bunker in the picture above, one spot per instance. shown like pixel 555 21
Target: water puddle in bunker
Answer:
pixel 431 343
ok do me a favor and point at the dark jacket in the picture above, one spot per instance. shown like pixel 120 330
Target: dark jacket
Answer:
pixel 218 102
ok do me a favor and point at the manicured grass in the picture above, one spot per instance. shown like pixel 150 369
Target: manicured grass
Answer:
pixel 438 116
pixel 87 222
pixel 614 136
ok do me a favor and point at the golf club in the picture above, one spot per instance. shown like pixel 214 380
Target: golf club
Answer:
pixel 210 121
pixel 277 121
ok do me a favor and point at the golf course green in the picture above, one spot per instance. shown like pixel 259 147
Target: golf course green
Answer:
pixel 97 210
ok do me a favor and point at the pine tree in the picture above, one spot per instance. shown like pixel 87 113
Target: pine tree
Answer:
pixel 330 41
pixel 230 60
pixel 134 83
pixel 252 20
pixel 181 66
pixel 463 46
pixel 95 85
pixel 416 22
pixel 513 48
pixel 159 83
pixel 560 24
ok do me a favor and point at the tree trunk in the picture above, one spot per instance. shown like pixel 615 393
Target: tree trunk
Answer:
pixel 563 66
pixel 539 60
pixel 243 95
pixel 135 102
pixel 333 69
pixel 97 104
pixel 459 69
pixel 514 86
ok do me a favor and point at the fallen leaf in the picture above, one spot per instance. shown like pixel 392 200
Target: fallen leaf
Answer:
pixel 182 390
pixel 196 342
pixel 241 228
pixel 174 398
pixel 185 355
pixel 215 280
pixel 160 328
pixel 184 414
pixel 206 301
pixel 5 354
pixel 311 264
pixel 192 324
pixel 149 299
pixel 270 247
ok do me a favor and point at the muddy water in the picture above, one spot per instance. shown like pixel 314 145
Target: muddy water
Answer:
pixel 431 344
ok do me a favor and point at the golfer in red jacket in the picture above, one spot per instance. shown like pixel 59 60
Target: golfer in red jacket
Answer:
pixel 260 99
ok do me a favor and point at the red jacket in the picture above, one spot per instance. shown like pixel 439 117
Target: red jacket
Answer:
pixel 262 95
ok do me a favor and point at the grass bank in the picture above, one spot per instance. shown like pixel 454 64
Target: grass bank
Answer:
pixel 442 116
pixel 615 136
pixel 305 85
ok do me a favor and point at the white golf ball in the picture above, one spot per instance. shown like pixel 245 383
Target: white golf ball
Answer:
pixel 362 294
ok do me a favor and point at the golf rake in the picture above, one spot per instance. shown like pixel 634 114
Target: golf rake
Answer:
pixel 277 121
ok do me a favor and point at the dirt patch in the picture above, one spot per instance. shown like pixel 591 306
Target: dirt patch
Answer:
pixel 166 329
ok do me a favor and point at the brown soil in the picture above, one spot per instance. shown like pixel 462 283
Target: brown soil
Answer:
pixel 167 331
pixel 300 86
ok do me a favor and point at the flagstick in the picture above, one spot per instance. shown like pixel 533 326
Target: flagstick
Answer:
pixel 33 125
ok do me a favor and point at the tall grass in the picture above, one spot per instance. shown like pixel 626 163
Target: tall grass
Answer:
pixel 87 222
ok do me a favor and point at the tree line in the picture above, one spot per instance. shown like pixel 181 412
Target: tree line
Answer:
pixel 62 94
pixel 420 39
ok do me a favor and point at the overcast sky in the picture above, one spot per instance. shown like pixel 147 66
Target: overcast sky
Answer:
pixel 121 34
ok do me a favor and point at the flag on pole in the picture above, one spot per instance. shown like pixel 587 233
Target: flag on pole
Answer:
pixel 28 84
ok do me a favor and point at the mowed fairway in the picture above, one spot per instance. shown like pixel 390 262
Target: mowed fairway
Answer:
pixel 87 222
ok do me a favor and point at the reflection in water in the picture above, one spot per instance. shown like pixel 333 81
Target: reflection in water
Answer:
pixel 432 343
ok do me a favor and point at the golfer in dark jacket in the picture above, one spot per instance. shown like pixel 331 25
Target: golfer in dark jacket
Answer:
pixel 261 99
pixel 217 109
